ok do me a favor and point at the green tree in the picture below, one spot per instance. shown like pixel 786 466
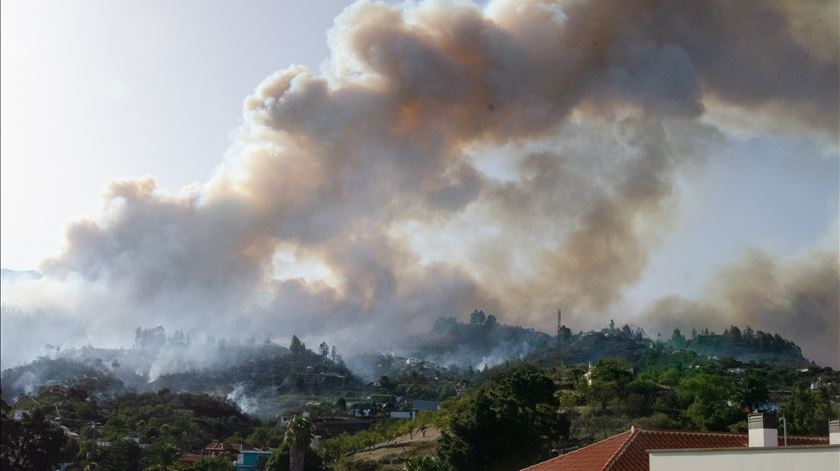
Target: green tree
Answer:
pixel 280 460
pixel 477 317
pixel 266 436
pixel 122 455
pixel 163 457
pixel 297 347
pixel 507 425
pixel 710 407
pixel 423 463
pixel 752 390
pixel 33 444
pixel 806 412
pixel 9 436
pixel 678 339
pixel 220 462
pixel 386 383
pixel 299 432
pixel 641 393
pixel 601 392
pixel 610 378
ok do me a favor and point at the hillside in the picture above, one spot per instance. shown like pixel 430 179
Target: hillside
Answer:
pixel 394 453
pixel 483 341
pixel 252 375
pixel 747 346
pixel 436 363
pixel 268 384
pixel 27 379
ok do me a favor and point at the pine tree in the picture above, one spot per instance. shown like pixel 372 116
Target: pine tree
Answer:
pixel 297 347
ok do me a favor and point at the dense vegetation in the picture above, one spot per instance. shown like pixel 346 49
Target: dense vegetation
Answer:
pixel 333 449
pixel 189 421
pixel 481 341
pixel 27 378
pixel 33 443
pixel 494 417
pixel 274 371
pixel 525 411
pixel 484 341
pixel 747 346
pixel 508 423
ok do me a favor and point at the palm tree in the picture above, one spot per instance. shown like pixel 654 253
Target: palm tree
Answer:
pixel 164 457
pixel 299 434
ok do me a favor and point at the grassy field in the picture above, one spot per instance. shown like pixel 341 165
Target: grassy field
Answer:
pixel 392 454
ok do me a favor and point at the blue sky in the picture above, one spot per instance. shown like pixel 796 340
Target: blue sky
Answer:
pixel 775 194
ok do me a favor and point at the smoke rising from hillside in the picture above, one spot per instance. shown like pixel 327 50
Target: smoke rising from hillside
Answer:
pixel 799 296
pixel 372 173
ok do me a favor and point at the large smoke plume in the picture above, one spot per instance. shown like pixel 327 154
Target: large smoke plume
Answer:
pixel 450 156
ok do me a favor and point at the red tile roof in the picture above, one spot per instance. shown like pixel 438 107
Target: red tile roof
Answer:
pixel 189 458
pixel 628 451
pixel 592 457
pixel 234 448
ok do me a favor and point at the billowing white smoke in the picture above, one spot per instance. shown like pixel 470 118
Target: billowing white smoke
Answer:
pixel 247 404
pixel 510 157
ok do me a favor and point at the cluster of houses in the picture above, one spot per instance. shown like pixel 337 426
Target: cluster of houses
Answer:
pixel 409 412
pixel 250 458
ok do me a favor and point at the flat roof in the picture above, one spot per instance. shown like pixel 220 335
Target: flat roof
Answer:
pixel 752 448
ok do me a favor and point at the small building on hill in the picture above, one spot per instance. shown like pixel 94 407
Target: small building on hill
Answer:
pixel 251 459
pixel 246 458
pixel 420 405
pixel 217 448
pixel 660 450
pixel 402 414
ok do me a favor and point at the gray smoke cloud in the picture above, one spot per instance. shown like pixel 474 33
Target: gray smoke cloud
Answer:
pixel 374 174
pixel 799 296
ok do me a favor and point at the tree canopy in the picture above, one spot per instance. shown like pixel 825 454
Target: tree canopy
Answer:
pixel 504 425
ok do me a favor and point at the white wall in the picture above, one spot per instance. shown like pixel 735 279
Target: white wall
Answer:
pixel 772 459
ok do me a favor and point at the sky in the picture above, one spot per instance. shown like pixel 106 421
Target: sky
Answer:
pixel 422 160
pixel 128 90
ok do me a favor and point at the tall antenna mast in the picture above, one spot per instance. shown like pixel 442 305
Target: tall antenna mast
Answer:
pixel 559 337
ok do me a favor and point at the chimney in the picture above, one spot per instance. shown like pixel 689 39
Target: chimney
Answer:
pixel 763 433
pixel 834 432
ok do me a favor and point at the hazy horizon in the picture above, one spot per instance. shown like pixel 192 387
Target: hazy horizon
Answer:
pixel 166 164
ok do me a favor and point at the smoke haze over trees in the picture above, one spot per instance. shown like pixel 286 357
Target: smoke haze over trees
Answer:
pixel 361 202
